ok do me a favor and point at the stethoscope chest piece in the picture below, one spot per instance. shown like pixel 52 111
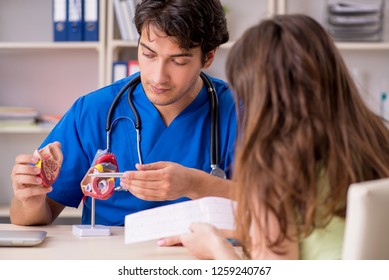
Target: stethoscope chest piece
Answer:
pixel 218 172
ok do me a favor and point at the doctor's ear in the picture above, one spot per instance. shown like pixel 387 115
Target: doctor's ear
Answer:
pixel 209 57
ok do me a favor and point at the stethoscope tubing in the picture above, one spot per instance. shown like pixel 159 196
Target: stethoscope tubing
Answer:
pixel 214 113
pixel 214 154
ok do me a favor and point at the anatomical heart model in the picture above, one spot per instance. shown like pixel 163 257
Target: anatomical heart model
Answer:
pixel 100 188
pixel 97 187
pixel 50 161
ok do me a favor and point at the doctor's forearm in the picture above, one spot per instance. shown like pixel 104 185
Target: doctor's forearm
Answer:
pixel 204 184
pixel 21 215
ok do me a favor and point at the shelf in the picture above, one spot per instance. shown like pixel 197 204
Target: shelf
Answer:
pixel 123 44
pixel 368 46
pixel 25 129
pixel 48 45
pixel 341 45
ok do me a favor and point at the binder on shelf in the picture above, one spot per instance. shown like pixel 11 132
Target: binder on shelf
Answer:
pixel 119 70
pixel 124 33
pixel 90 26
pixel 60 16
pixel 133 67
pixel 75 12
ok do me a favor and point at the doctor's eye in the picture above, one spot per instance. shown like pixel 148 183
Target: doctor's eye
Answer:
pixel 180 62
pixel 148 55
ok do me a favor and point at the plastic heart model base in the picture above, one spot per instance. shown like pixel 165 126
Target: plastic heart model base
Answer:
pixel 50 161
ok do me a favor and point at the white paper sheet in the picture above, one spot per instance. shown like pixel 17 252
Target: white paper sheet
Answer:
pixel 176 218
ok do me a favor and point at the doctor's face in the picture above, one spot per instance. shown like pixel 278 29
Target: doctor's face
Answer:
pixel 170 75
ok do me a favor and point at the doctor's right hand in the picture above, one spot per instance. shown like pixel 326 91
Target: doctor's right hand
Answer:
pixel 27 185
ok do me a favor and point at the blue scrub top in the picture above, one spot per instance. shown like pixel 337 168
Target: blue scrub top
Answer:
pixel 186 141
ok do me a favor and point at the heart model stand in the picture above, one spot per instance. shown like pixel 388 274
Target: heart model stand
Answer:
pixel 92 229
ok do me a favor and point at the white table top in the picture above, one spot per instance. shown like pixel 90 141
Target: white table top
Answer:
pixel 62 244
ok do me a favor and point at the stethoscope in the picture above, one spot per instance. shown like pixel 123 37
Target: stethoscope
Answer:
pixel 214 109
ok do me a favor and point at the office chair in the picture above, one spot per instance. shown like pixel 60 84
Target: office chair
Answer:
pixel 366 234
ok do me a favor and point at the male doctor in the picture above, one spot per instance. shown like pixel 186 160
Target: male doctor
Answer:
pixel 178 39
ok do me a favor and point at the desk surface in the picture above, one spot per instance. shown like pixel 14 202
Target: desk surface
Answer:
pixel 62 244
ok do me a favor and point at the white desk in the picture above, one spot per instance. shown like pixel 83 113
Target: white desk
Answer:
pixel 61 244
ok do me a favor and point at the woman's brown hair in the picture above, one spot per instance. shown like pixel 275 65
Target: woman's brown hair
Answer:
pixel 301 122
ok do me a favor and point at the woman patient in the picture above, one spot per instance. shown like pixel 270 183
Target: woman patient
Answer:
pixel 305 135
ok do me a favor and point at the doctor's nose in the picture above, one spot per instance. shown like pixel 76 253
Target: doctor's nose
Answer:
pixel 160 74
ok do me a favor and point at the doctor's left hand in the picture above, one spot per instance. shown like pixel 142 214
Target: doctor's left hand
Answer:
pixel 159 181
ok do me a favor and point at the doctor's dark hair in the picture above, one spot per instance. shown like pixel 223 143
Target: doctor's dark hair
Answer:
pixel 305 133
pixel 192 23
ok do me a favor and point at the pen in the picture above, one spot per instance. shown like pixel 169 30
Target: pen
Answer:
pixel 107 174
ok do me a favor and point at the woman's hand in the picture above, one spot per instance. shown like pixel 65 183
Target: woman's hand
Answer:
pixel 204 242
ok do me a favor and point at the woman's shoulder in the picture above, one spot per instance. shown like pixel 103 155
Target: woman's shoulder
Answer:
pixel 324 243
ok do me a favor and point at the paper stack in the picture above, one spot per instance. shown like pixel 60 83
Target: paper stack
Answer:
pixel 357 21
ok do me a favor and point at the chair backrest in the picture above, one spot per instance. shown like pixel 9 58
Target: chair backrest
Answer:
pixel 367 221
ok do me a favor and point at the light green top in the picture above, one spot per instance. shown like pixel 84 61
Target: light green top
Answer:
pixel 324 244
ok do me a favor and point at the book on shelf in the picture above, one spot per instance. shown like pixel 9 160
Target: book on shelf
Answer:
pixel 132 7
pixel 354 30
pixel 119 15
pixel 15 112
pixel 175 219
pixel 18 116
pixel 355 8
pixel 124 13
pixel 355 21
pixel 128 7
pixel 11 116
pixel 18 123
pixel 357 39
